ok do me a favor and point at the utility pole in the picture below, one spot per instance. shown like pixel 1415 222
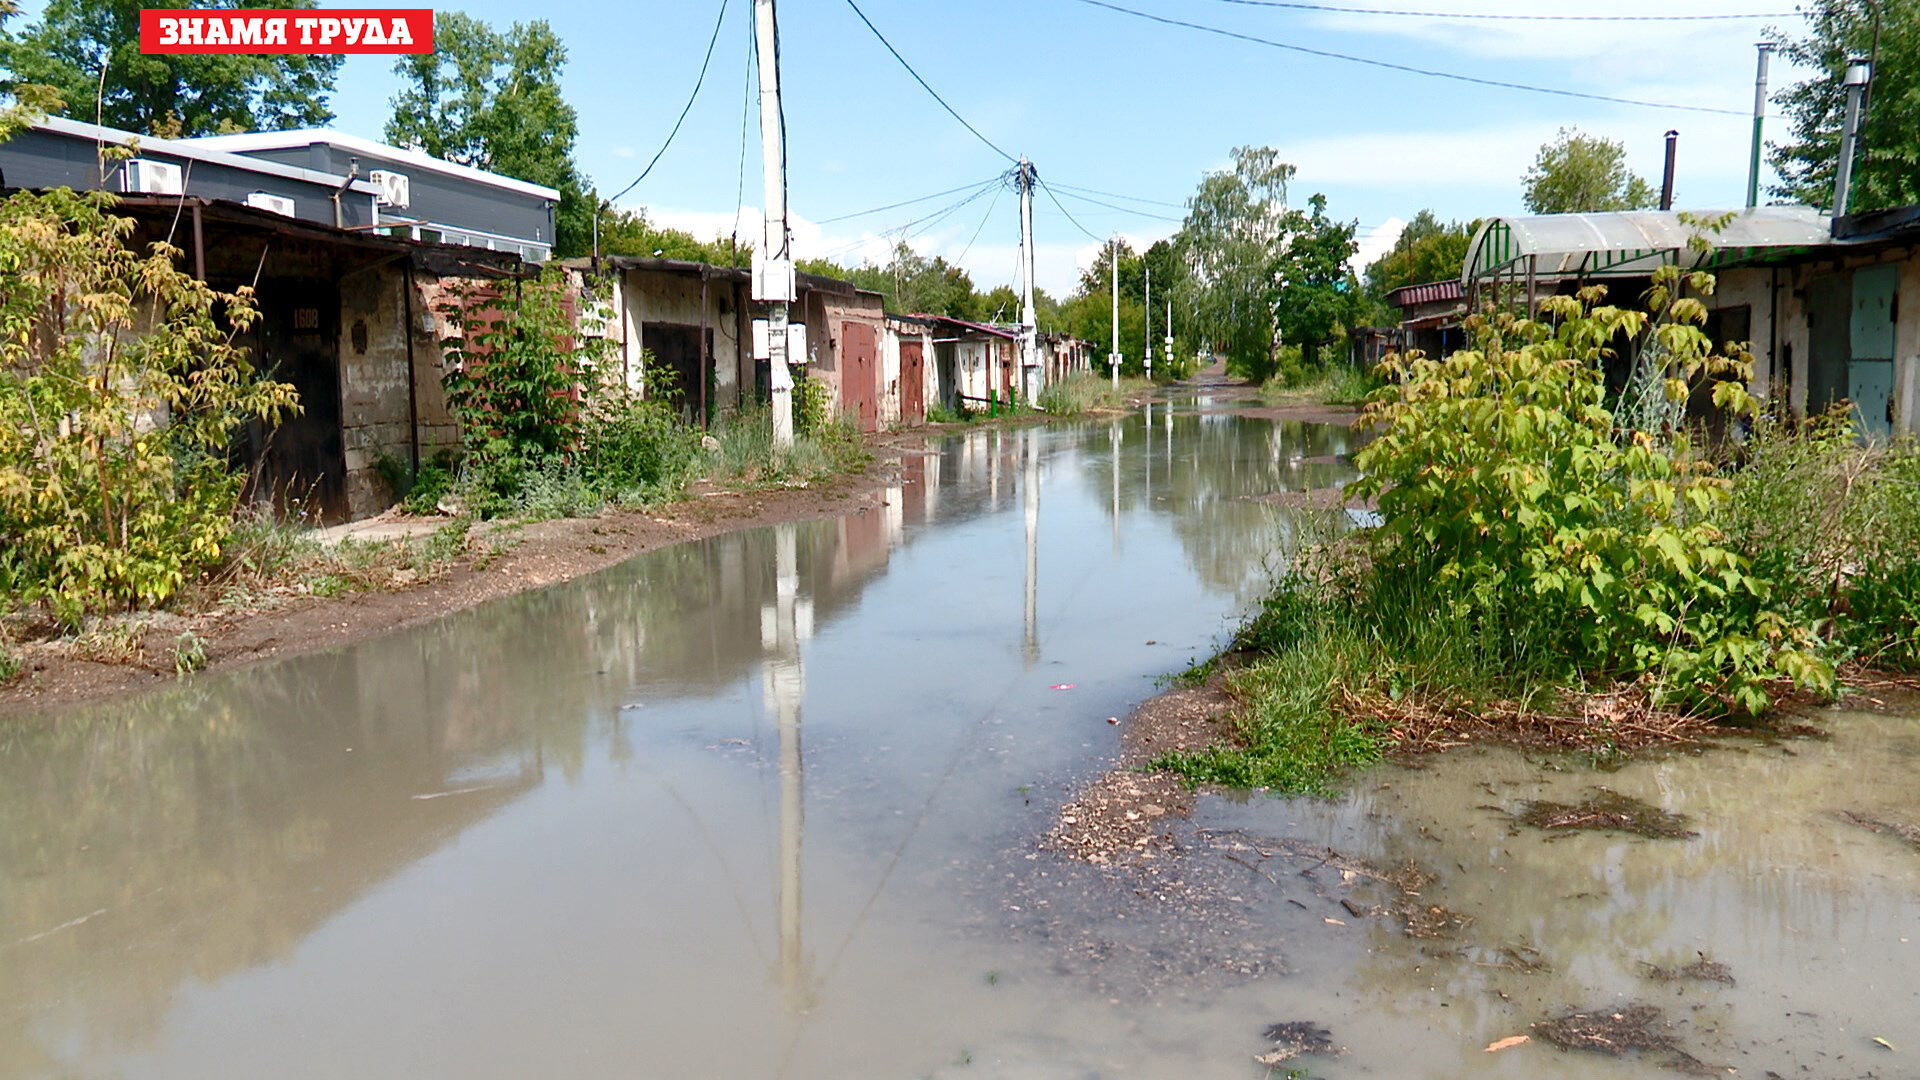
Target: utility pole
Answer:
pixel 1113 358
pixel 773 272
pixel 1168 351
pixel 1148 335
pixel 1759 121
pixel 1859 74
pixel 1029 318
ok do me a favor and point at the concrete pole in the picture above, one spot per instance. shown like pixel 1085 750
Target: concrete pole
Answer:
pixel 1859 74
pixel 774 284
pixel 1148 336
pixel 1759 122
pixel 1168 351
pixel 1113 358
pixel 1029 318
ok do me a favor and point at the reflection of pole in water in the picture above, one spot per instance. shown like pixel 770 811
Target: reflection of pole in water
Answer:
pixel 1149 427
pixel 784 684
pixel 1113 455
pixel 1032 497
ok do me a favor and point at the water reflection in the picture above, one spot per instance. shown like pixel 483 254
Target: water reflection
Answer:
pixel 728 786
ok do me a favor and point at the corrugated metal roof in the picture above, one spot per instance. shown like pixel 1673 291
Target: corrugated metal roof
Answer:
pixel 1633 242
pixel 1433 292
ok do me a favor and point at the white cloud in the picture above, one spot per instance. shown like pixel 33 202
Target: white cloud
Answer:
pixel 1376 242
pixel 627 153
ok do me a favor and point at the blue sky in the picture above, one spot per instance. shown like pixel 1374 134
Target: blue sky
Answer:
pixel 1103 100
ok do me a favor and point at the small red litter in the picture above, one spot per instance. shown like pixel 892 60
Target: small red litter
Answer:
pixel 1062 686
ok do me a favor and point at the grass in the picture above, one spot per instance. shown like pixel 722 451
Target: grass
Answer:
pixel 1084 393
pixel 747 458
pixel 268 555
pixel 1336 384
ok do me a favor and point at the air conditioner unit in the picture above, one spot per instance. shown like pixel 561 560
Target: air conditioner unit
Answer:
pixel 152 177
pixel 395 191
pixel 273 204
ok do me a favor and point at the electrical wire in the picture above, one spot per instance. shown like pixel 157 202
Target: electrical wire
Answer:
pixel 1391 66
pixel 1122 209
pixel 910 202
pixel 1048 188
pixel 1335 9
pixel 923 84
pixel 991 207
pixel 697 84
pixel 1124 198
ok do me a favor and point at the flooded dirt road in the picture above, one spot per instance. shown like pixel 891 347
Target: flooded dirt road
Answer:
pixel 771 805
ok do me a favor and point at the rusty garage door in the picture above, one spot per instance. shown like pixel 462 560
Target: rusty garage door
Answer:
pixel 859 391
pixel 913 383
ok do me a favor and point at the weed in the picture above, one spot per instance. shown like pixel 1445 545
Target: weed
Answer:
pixel 112 641
pixel 189 653
pixel 10 663
pixel 940 414
pixel 1084 393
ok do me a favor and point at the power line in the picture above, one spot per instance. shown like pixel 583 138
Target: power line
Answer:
pixel 1122 209
pixel 1326 54
pixel 910 202
pixel 988 216
pixel 1117 195
pixel 1289 4
pixel 697 84
pixel 1048 188
pixel 923 84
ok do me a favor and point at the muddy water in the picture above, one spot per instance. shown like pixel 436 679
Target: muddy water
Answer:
pixel 766 805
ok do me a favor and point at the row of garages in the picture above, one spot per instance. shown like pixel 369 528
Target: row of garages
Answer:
pixel 1828 307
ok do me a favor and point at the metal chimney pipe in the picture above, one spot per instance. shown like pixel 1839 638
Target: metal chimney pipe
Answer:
pixel 1666 180
pixel 1859 74
pixel 1759 121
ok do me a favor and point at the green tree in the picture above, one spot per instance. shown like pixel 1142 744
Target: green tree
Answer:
pixel 1578 173
pixel 1317 296
pixel 1887 166
pixel 1426 250
pixel 917 285
pixel 628 232
pixel 167 96
pixel 492 100
pixel 1234 238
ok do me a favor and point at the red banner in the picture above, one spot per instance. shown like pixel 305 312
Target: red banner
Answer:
pixel 286 30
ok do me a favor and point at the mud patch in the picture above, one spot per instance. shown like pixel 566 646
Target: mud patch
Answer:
pixel 1605 811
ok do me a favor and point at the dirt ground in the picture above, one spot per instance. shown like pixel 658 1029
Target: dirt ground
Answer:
pixel 541 554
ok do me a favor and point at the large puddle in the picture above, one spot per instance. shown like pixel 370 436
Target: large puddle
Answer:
pixel 766 805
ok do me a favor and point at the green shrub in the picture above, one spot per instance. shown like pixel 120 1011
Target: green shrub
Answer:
pixel 1837 523
pixel 10 663
pixel 637 451
pixel 120 387
pixel 1508 495
pixel 747 457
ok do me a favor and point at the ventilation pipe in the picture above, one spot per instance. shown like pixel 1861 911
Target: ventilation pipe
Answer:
pixel 1859 74
pixel 1666 180
pixel 1759 122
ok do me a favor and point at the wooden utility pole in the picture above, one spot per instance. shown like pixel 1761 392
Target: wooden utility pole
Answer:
pixel 773 270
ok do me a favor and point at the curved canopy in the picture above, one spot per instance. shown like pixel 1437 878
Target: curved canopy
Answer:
pixel 1632 242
